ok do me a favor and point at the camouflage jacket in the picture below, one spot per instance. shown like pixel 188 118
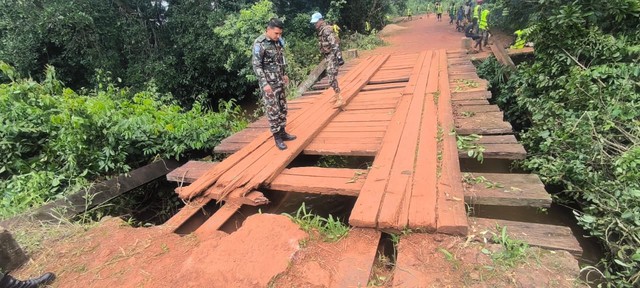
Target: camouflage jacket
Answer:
pixel 327 40
pixel 268 61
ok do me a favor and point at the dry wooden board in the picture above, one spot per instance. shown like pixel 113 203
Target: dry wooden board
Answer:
pixel 365 124
pixel 217 220
pixel 349 134
pixel 505 189
pixel 483 125
pixel 318 184
pixel 502 56
pixel 497 139
pixel 352 270
pixel 383 87
pixel 350 129
pixel 474 95
pixel 347 140
pixel 190 171
pixel 500 151
pixel 539 235
pixel 365 211
pixel 472 102
pixel 476 108
pixel 451 212
pixel 483 115
pixel 369 149
pixel 345 117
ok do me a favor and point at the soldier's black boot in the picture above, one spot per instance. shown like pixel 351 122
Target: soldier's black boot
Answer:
pixel 279 143
pixel 9 282
pixel 286 136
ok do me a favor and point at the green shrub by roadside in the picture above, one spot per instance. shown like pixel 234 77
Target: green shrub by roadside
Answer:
pixel 579 105
pixel 53 139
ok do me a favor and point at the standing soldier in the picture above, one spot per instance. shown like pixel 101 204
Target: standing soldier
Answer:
pixel 268 64
pixel 330 49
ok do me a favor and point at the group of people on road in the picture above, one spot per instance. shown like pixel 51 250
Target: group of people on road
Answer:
pixel 269 64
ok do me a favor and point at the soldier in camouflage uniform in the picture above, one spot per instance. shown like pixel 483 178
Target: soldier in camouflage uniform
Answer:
pixel 330 49
pixel 268 63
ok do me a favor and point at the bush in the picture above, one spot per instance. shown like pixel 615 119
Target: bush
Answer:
pixel 579 102
pixel 52 137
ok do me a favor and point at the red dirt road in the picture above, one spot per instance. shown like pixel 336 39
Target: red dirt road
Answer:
pixel 421 34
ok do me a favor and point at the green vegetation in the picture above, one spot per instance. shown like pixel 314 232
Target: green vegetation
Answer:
pixel 330 228
pixel 469 143
pixel 55 140
pixel 578 106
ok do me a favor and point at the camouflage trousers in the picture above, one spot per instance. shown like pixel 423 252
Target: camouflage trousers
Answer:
pixel 275 105
pixel 332 70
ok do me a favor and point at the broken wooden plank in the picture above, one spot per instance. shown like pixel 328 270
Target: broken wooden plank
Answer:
pixel 505 189
pixel 500 151
pixel 502 56
pixel 354 269
pixel 540 235
pixel 216 220
pixel 102 192
pixel 483 124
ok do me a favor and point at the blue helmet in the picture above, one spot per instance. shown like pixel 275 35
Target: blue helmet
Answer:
pixel 316 17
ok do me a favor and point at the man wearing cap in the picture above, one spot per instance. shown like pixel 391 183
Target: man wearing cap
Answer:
pixel 268 63
pixel 330 49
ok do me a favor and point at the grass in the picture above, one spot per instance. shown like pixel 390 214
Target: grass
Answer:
pixel 513 251
pixel 468 178
pixel 469 143
pixel 330 229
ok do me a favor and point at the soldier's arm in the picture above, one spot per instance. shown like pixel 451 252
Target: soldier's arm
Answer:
pixel 256 61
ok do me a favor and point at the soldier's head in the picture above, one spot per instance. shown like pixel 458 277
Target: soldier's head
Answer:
pixel 274 29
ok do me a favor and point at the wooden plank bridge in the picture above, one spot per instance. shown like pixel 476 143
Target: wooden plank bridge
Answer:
pixel 401 110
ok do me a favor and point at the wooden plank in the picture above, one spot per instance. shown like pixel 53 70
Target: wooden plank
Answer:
pixel 422 205
pixel 365 211
pixel 471 95
pixel 502 56
pixel 450 202
pixel 540 235
pixel 345 140
pixel 497 139
pixel 500 151
pixel 368 149
pixel 102 192
pixel 353 268
pixel 318 185
pixel 216 220
pixel 350 134
pixel 505 189
pixel 476 108
pixel 189 172
pixel 472 102
pixel 388 86
pixel 402 169
pixel 398 192
pixel 483 123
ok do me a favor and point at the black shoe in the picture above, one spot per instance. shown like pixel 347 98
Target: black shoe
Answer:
pixel 286 136
pixel 340 61
pixel 9 282
pixel 279 143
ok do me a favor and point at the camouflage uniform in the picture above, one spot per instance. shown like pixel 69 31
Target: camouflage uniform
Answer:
pixel 330 49
pixel 268 64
